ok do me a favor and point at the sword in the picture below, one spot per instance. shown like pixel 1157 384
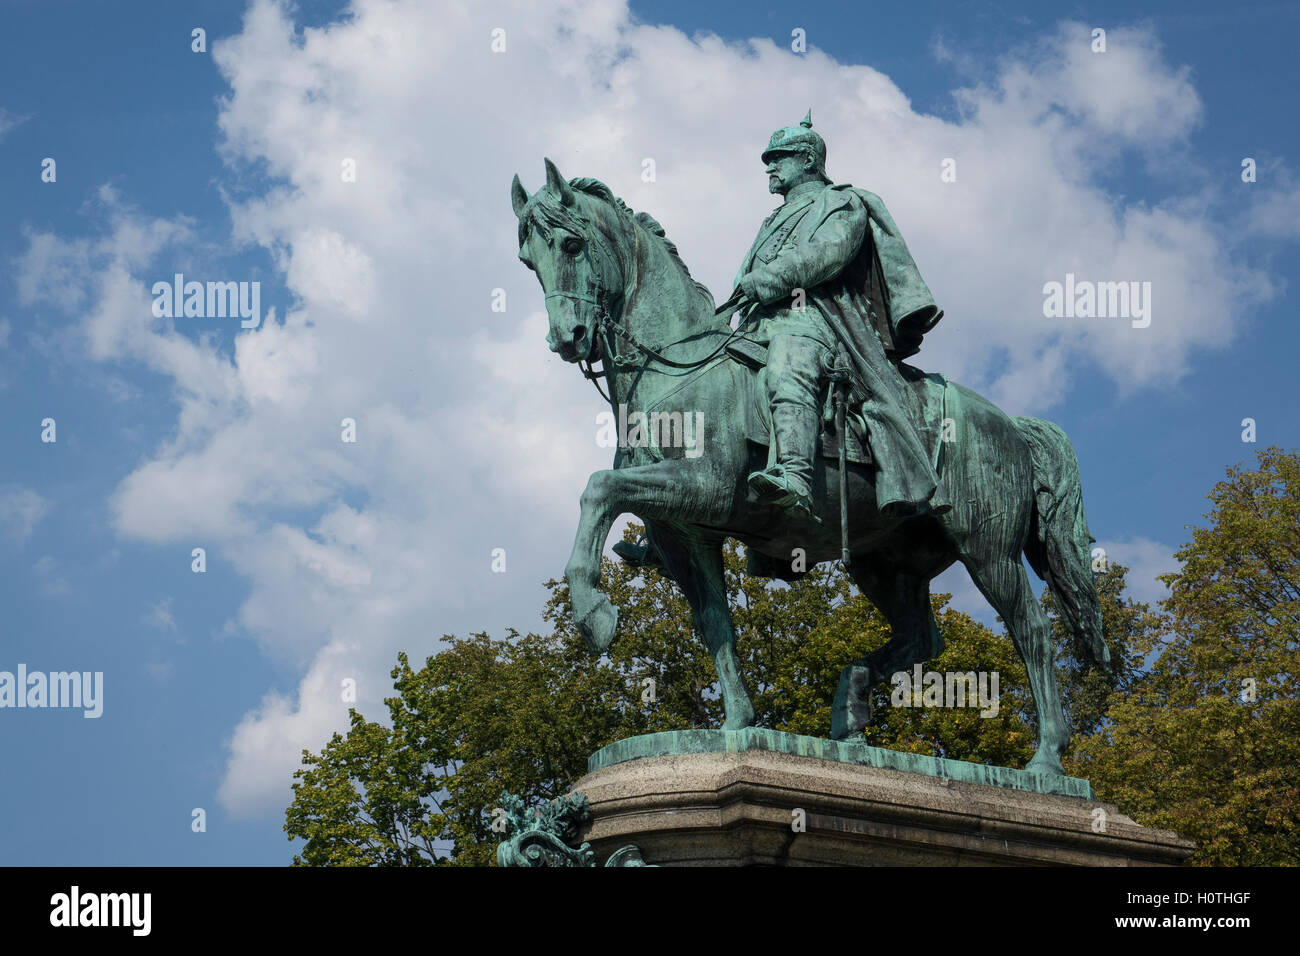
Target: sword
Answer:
pixel 840 376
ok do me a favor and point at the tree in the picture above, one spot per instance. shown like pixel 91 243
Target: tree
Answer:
pixel 481 716
pixel 523 714
pixel 1127 625
pixel 1207 742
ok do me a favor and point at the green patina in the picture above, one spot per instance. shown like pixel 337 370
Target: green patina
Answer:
pixel 827 306
pixel 678 742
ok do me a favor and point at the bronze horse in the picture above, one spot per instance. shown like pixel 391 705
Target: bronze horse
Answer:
pixel 618 293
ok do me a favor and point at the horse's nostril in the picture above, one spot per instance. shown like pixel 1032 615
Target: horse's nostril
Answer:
pixel 579 333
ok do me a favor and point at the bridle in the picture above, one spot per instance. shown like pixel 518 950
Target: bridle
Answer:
pixel 607 328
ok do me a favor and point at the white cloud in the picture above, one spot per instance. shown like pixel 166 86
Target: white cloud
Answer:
pixel 160 615
pixel 966 597
pixel 9 120
pixel 52 583
pixel 20 510
pixel 1272 206
pixel 471 435
pixel 1145 559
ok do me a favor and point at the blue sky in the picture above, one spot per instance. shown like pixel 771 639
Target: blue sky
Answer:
pixel 323 559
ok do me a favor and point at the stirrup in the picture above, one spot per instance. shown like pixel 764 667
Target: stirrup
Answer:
pixel 773 487
pixel 639 555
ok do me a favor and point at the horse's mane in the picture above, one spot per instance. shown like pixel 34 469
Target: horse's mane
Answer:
pixel 594 187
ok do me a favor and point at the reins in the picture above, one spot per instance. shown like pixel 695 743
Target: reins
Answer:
pixel 605 324
pixel 607 327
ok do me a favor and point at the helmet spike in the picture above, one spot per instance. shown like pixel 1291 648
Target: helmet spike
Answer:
pixel 801 137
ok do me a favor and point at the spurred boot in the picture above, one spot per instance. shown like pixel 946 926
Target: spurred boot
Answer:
pixel 788 483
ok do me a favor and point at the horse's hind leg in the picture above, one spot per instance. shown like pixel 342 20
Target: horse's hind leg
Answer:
pixel 1004 582
pixel 904 600
pixel 696 565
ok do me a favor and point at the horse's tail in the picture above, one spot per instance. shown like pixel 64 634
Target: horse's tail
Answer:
pixel 1059 540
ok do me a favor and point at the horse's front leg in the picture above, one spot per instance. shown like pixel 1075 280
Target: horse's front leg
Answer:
pixel 669 490
pixel 593 612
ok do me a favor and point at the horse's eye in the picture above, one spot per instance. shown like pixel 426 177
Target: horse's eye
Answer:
pixel 572 245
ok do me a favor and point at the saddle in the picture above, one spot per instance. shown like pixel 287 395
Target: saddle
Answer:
pixel 926 396
pixel 926 399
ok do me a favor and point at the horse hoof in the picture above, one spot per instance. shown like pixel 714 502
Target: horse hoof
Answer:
pixel 740 721
pixel 1045 765
pixel 598 626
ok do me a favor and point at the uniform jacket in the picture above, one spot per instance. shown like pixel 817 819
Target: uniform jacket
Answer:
pixel 841 246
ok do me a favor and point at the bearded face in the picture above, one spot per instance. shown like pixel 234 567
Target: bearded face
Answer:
pixel 787 170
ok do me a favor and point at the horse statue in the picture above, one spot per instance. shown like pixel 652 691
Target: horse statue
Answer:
pixel 618 293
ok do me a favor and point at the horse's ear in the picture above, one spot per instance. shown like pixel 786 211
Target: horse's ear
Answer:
pixel 518 197
pixel 558 184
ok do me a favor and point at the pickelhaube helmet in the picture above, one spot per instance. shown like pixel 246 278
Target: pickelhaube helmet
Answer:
pixel 798 138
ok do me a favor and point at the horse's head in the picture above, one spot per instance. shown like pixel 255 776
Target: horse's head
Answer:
pixel 560 239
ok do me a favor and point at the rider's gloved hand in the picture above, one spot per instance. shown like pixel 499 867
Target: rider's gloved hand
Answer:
pixel 748 287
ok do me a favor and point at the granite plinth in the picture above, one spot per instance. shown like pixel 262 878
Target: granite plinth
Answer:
pixel 750 797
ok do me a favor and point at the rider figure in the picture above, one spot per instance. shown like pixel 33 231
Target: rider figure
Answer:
pixel 828 272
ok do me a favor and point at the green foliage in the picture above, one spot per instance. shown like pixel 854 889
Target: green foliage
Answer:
pixel 522 714
pixel 857 628
pixel 1127 625
pixel 342 827
pixel 1208 741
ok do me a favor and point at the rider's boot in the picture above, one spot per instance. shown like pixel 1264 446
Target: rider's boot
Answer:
pixel 640 555
pixel 788 483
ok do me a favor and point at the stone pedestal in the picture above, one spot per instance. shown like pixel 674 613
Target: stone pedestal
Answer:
pixel 762 798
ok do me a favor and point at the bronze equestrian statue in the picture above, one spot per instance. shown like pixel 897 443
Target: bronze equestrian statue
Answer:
pixel 810 414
